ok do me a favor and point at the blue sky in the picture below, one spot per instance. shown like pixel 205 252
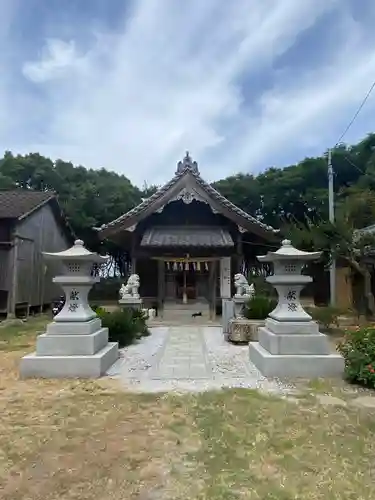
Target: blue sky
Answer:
pixel 130 85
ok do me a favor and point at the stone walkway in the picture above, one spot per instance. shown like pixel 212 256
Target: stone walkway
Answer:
pixel 188 358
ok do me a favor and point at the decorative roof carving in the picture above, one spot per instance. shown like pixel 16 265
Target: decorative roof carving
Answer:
pixel 187 195
pixel 187 164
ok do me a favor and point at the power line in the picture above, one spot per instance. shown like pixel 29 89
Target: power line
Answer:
pixel 354 165
pixel 356 114
pixel 331 195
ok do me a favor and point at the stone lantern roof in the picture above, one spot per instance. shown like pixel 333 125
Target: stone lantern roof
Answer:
pixel 288 252
pixel 76 252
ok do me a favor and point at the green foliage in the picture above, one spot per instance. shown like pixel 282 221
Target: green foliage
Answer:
pixel 106 290
pixel 358 350
pixel 325 316
pixel 295 197
pixel 94 197
pixel 262 288
pixel 139 320
pixel 125 326
pixel 88 197
pixel 259 307
pixel 99 310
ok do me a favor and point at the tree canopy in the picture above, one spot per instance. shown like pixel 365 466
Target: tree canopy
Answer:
pixel 276 196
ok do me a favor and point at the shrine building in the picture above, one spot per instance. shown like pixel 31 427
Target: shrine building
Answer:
pixel 187 241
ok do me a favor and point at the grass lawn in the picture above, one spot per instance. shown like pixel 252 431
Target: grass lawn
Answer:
pixel 89 440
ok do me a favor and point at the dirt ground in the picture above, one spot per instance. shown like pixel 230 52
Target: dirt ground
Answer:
pixel 88 439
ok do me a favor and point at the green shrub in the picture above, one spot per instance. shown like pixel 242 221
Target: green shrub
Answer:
pixel 358 350
pixel 325 316
pixel 259 307
pixel 99 310
pixel 139 319
pixel 124 326
pixel 262 287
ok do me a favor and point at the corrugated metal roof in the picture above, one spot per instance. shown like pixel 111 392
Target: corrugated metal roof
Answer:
pixel 17 203
pixel 186 237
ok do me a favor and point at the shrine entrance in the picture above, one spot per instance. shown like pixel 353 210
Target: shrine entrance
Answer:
pixel 186 242
pixel 187 279
pixel 189 282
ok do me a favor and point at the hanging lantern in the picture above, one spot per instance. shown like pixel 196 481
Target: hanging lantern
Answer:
pixel 198 266
pixel 186 266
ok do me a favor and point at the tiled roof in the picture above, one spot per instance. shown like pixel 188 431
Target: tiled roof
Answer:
pixel 186 237
pixel 182 170
pixel 17 203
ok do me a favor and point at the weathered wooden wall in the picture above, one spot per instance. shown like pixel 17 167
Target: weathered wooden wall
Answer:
pixel 4 276
pixel 39 232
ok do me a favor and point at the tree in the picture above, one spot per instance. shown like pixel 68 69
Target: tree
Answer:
pixel 88 197
pixel 343 240
pixel 285 197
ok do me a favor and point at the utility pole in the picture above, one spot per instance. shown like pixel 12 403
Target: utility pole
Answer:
pixel 331 205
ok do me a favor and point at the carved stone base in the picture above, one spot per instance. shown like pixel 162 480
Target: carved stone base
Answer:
pixel 130 302
pixel 243 330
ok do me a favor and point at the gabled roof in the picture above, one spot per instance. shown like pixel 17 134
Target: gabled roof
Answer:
pixel 20 203
pixel 187 176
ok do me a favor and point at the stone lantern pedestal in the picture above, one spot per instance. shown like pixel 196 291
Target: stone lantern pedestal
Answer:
pixel 290 344
pixel 75 344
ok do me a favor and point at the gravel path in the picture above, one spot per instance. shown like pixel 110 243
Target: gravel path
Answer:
pixel 189 359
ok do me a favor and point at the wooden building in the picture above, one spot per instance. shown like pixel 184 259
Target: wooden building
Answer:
pixel 30 222
pixel 187 241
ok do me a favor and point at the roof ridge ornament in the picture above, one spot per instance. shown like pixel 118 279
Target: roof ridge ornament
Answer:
pixel 187 164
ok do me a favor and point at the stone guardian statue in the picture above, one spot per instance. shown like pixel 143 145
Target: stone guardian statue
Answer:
pixel 243 289
pixel 130 290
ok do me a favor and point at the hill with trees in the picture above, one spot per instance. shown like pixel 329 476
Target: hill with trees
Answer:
pixel 277 196
pixel 294 193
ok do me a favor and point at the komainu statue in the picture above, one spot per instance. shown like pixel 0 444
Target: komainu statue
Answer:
pixel 131 288
pixel 243 289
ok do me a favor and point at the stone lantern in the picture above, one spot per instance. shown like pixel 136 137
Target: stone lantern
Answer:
pixel 290 344
pixel 75 344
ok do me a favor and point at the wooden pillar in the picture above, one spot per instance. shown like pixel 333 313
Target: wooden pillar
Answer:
pixel 239 252
pixel 161 287
pixel 212 288
pixel 133 265
pixel 133 257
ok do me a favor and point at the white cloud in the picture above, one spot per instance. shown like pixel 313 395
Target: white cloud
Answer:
pixel 170 80
pixel 59 59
